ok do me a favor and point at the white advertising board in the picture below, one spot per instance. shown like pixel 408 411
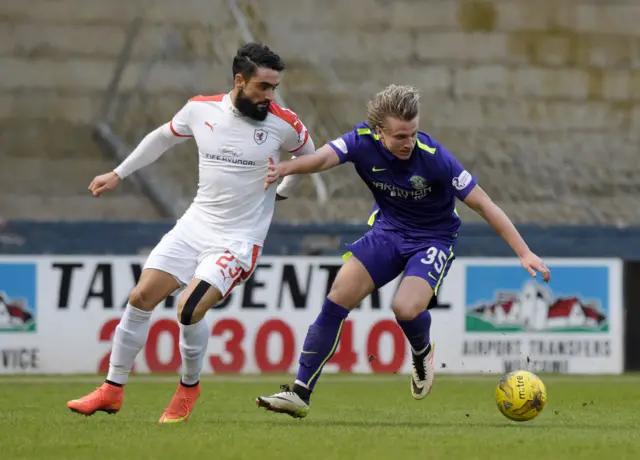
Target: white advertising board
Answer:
pixel 58 314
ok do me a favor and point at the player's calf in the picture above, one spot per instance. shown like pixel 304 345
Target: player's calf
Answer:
pixel 197 299
pixel 133 329
pixel 352 284
pixel 422 353
pixel 128 340
pixel 319 346
pixel 409 306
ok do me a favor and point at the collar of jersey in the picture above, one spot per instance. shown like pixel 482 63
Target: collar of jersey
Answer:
pixel 386 152
pixel 232 108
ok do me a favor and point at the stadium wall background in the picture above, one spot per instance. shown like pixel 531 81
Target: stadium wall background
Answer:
pixel 89 238
pixel 476 240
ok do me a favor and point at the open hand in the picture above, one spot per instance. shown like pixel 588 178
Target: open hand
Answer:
pixel 532 263
pixel 272 174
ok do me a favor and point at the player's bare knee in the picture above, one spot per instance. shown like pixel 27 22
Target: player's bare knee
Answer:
pixel 345 295
pixel 142 299
pixel 406 310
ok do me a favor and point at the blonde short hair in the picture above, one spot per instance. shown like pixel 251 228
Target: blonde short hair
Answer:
pixel 397 101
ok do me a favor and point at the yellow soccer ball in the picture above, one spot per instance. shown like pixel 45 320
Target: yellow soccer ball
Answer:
pixel 521 396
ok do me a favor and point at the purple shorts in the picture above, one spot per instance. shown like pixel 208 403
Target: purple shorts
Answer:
pixel 386 255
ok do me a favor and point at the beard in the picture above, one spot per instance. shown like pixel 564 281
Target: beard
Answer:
pixel 251 109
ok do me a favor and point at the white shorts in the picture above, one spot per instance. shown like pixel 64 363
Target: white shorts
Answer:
pixel 221 262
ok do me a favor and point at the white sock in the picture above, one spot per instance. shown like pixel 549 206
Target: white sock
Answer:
pixel 129 338
pixel 194 340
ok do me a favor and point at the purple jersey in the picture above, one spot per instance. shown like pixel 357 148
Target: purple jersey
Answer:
pixel 415 197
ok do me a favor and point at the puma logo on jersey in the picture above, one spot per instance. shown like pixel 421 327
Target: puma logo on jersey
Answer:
pixel 206 123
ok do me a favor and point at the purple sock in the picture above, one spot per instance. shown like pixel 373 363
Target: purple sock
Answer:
pixel 321 342
pixel 417 330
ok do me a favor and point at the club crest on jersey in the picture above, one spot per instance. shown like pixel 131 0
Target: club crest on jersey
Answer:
pixel 418 182
pixel 260 136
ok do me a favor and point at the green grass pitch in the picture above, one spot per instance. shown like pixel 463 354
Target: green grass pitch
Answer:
pixel 352 417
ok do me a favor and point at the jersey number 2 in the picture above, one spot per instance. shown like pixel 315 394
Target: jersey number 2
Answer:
pixel 232 272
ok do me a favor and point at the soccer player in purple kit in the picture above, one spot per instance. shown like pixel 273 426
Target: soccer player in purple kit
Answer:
pixel 415 182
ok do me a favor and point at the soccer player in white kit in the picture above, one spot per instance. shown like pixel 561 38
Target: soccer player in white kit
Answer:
pixel 215 245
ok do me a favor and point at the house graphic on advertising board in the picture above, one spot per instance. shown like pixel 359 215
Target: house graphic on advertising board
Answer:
pixel 18 307
pixel 15 314
pixel 534 309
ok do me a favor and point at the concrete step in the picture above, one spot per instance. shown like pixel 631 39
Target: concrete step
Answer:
pixel 54 177
pixel 84 74
pixel 52 139
pixel 75 107
pixel 98 12
pixel 38 207
pixel 63 41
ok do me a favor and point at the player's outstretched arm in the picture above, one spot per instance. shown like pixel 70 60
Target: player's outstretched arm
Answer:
pixel 480 202
pixel 286 187
pixel 324 158
pixel 149 150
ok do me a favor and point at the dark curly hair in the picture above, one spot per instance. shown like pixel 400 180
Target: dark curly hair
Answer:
pixel 254 55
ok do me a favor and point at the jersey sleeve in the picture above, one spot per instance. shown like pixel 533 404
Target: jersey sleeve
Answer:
pixel 458 179
pixel 296 135
pixel 345 146
pixel 180 125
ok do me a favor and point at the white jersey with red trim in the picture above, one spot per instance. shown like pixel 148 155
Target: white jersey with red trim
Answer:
pixel 233 154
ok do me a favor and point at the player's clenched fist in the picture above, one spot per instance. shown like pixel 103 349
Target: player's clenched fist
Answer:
pixel 104 182
pixel 272 174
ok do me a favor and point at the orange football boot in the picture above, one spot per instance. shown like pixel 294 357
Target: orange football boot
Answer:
pixel 181 405
pixel 107 398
